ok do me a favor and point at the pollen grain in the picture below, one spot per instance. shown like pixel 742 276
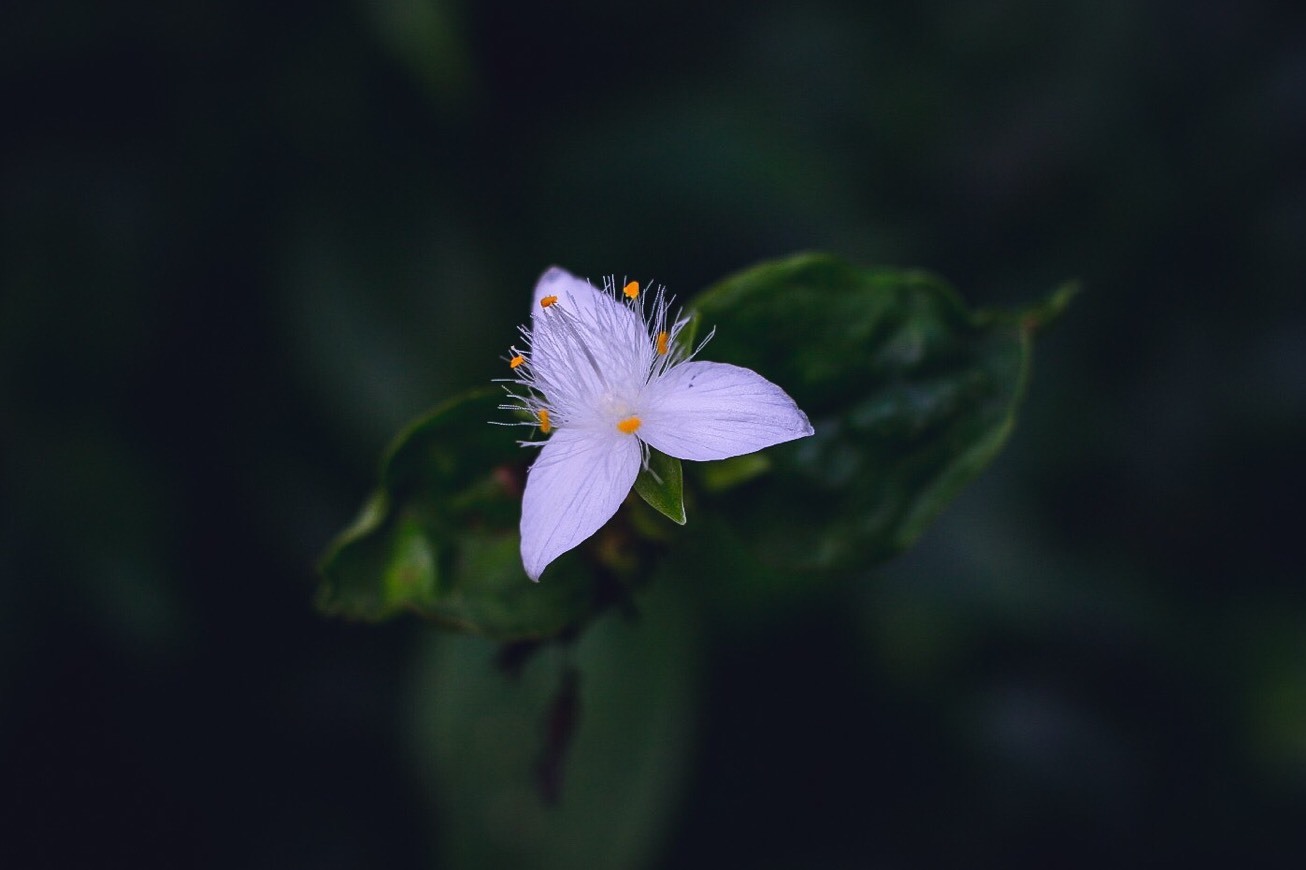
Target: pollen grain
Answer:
pixel 545 425
pixel 631 290
pixel 547 301
pixel 628 425
pixel 662 342
pixel 516 361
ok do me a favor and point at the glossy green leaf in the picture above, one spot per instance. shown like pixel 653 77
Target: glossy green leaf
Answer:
pixel 911 395
pixel 661 484
pixel 439 538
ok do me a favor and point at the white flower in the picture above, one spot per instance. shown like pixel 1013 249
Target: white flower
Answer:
pixel 605 379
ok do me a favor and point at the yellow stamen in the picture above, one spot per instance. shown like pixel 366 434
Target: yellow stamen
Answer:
pixel 547 301
pixel 631 290
pixel 628 425
pixel 662 342
pixel 516 361
pixel 545 425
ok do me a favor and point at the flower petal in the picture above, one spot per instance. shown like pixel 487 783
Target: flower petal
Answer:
pixel 706 410
pixel 586 342
pixel 574 487
pixel 575 294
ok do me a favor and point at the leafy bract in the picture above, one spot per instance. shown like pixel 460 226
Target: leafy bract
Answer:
pixel 661 484
pixel 439 537
pixel 911 394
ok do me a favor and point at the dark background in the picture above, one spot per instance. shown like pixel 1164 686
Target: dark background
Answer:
pixel 242 243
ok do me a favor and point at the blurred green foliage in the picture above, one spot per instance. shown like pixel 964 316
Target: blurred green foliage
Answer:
pixel 912 395
pixel 241 245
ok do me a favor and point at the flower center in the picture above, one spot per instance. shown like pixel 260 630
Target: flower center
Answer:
pixel 628 425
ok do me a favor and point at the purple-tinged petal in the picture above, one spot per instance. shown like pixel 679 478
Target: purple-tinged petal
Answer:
pixel 574 487
pixel 574 294
pixel 587 341
pixel 706 410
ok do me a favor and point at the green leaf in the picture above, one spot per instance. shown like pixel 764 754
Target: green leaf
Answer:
pixel 661 484
pixel 483 741
pixel 439 538
pixel 911 395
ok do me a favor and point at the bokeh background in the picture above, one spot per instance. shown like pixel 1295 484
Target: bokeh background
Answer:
pixel 242 243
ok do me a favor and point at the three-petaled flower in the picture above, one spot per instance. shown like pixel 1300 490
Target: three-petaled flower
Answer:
pixel 603 375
